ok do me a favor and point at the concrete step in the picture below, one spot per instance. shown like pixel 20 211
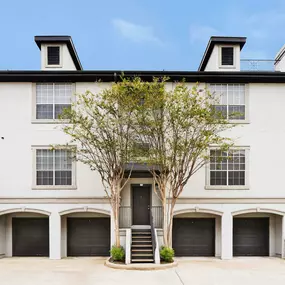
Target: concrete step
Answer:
pixel 142 250
pixel 140 241
pixel 142 233
pixel 141 245
pixel 144 237
pixel 142 254
pixel 142 260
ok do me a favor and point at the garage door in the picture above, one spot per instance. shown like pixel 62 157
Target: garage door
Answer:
pixel 30 236
pixel 194 237
pixel 88 236
pixel 251 237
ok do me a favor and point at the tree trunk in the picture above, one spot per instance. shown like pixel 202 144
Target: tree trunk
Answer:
pixel 165 221
pixel 170 222
pixel 116 210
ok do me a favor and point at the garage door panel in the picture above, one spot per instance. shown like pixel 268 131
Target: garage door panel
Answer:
pixel 194 237
pixel 88 236
pixel 30 236
pixel 251 237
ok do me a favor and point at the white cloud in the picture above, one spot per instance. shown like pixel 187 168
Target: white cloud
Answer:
pixel 134 32
pixel 199 33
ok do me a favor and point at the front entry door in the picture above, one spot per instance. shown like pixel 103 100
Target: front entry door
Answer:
pixel 141 205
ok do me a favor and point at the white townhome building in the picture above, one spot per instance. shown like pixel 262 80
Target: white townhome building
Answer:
pixel 52 206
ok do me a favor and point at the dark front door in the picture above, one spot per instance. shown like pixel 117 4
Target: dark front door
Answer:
pixel 88 236
pixel 141 205
pixel 194 236
pixel 251 237
pixel 30 236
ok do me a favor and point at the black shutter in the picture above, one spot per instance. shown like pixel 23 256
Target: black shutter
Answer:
pixel 53 55
pixel 227 56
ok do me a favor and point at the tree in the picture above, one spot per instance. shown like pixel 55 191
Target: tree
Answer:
pixel 178 126
pixel 99 126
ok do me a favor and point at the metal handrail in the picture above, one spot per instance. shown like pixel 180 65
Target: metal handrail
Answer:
pixel 125 216
pixel 152 233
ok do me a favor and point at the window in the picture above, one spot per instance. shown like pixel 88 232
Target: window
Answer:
pixel 231 100
pixel 227 56
pixel 53 57
pixel 51 99
pixel 227 168
pixel 53 167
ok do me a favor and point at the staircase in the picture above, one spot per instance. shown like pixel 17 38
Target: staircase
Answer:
pixel 142 249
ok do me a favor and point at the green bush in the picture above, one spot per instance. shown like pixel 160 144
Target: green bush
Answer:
pixel 117 253
pixel 166 254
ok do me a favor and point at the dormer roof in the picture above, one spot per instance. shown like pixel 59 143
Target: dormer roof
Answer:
pixel 61 40
pixel 214 40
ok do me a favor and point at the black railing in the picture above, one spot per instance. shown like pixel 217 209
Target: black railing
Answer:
pixel 157 216
pixel 153 240
pixel 125 216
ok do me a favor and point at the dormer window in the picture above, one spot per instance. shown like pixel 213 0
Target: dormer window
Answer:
pixel 227 56
pixel 53 55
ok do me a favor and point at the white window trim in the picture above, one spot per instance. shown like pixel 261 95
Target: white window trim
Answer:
pixel 60 56
pixel 229 187
pixel 246 100
pixel 220 57
pixel 34 107
pixel 50 187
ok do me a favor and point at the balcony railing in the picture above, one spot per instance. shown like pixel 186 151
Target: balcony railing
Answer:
pixel 125 217
pixel 257 64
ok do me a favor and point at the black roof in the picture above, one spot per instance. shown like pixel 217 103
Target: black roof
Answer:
pixel 219 40
pixel 61 39
pixel 115 75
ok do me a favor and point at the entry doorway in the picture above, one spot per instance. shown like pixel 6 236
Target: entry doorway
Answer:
pixel 141 203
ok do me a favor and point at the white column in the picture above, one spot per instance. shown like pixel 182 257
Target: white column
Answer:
pixel 227 236
pixel 55 236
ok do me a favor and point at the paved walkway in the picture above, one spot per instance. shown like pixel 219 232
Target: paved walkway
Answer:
pixel 87 271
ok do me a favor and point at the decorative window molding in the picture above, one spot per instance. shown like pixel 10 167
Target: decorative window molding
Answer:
pixel 53 169
pixel 228 170
pixel 232 100
pixel 49 99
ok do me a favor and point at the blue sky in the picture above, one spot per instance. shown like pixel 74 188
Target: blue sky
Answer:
pixel 138 34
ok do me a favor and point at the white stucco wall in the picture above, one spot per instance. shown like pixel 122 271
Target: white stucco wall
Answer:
pixel 65 57
pixel 214 62
pixel 20 134
pixel 263 134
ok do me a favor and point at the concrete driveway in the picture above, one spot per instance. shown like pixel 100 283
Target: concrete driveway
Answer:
pixel 86 271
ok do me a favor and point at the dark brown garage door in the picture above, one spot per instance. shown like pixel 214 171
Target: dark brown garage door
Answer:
pixel 194 237
pixel 30 236
pixel 88 236
pixel 251 237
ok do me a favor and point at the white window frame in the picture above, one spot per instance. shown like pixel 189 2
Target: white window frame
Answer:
pixel 220 57
pixel 34 105
pixel 50 187
pixel 60 56
pixel 229 187
pixel 246 101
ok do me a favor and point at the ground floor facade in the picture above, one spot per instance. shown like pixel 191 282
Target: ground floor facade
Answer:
pixel 57 229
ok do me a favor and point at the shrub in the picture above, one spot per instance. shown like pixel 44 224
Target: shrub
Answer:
pixel 166 254
pixel 117 253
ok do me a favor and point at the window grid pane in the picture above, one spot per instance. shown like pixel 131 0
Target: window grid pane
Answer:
pixel 231 99
pixel 227 168
pixel 51 99
pixel 53 167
